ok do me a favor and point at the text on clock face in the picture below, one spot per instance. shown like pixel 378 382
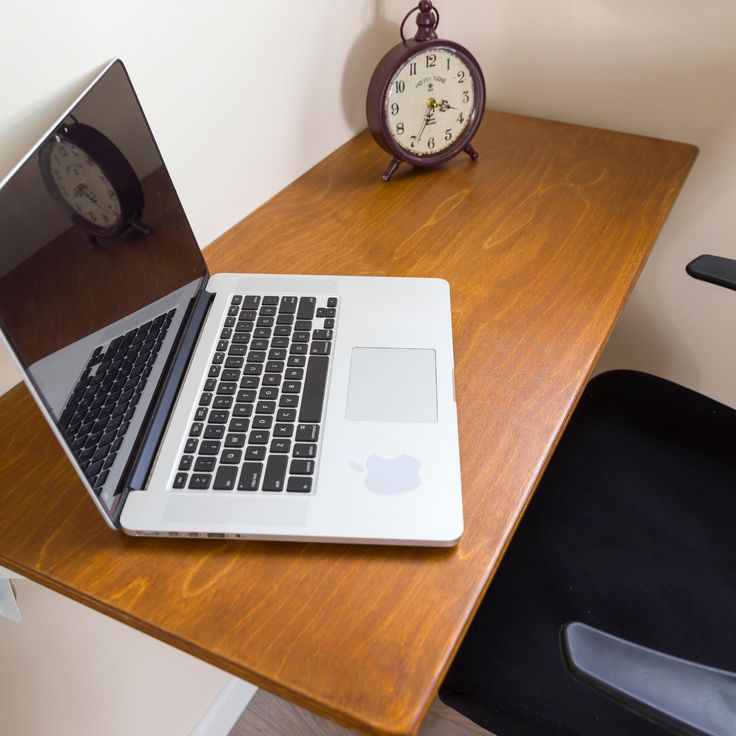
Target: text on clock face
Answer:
pixel 430 101
pixel 83 185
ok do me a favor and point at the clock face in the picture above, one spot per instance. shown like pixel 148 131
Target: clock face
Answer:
pixel 430 102
pixel 83 185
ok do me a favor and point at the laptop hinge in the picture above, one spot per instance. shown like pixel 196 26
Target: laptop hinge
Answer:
pixel 167 396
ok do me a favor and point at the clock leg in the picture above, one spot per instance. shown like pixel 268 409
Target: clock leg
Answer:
pixel 391 168
pixel 471 152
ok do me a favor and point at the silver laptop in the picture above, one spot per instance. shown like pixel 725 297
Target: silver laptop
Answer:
pixel 229 406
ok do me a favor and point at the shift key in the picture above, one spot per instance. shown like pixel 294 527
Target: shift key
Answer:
pixel 314 389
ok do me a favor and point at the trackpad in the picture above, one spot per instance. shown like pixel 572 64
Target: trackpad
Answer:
pixel 392 385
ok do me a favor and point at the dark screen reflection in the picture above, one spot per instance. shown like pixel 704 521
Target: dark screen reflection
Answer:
pixel 93 239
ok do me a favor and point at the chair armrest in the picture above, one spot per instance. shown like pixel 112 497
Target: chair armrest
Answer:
pixel 682 696
pixel 716 270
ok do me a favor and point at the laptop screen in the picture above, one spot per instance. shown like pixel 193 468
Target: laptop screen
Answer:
pixel 98 265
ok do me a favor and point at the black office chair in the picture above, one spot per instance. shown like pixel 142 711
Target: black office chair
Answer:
pixel 631 531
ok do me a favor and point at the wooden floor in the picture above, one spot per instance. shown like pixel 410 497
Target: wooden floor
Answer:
pixel 267 715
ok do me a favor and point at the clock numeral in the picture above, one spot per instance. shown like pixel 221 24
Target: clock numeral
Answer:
pixel 430 144
pixel 413 140
pixel 431 60
pixel 448 63
pixel 460 118
pixel 466 96
pixel 412 68
pixel 400 128
pixel 460 77
pixel 400 85
pixel 448 134
pixel 395 108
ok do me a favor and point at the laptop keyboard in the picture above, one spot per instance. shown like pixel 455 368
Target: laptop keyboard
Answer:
pixel 98 413
pixel 257 423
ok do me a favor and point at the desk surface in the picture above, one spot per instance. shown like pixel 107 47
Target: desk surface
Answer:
pixel 541 240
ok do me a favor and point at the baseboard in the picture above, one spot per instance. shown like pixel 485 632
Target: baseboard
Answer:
pixel 225 709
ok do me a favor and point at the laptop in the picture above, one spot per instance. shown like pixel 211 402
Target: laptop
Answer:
pixel 234 405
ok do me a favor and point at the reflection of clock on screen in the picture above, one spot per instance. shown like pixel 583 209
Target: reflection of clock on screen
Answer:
pixel 91 179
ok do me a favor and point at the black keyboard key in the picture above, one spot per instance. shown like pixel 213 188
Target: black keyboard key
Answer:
pixel 302 467
pixel 248 315
pixel 277 354
pixel 265 321
pixel 196 429
pixel 283 430
pixel 93 468
pixel 271 300
pixel 201 414
pixel 292 387
pixel 321 312
pixel 191 446
pixel 246 396
pixel 266 311
pixel 299 485
pixel 227 333
pixel 235 440
pixel 186 462
pixel 330 312
pixel 282 330
pixel 217 358
pixel 100 454
pixel 110 460
pixel 257 356
pixel 320 348
pixel 288 304
pixel 264 332
pixel 200 481
pixel 253 369
pixel 307 305
pixel 210 447
pixel 303 325
pixel 250 476
pixel 234 361
pixel 288 401
pixel 275 475
pixel 284 320
pixel 307 432
pixel 180 480
pixel 222 345
pixel 259 345
pixel 237 349
pixel 279 445
pixel 251 302
pixel 214 371
pixel 294 374
pixel 266 407
pixel 230 374
pixel 298 348
pixel 258 437
pixel 205 464
pixel 101 478
pixel 238 425
pixel 225 478
pixel 322 335
pixel 222 402
pixel 262 421
pixel 272 379
pixel 243 326
pixel 249 382
pixel 230 321
pixel 232 311
pixel 314 389
pixel 332 301
pixel 231 456
pixel 243 410
pixel 205 399
pixel 297 361
pixel 268 392
pixel 275 366
pixel 256 452
pixel 218 416
pixel 304 450
pixel 237 299
pixel 214 432
pixel 286 415
pixel 241 338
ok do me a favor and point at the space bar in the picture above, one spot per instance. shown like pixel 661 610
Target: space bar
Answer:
pixel 314 389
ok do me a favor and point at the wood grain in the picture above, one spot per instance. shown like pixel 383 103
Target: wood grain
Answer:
pixel 541 241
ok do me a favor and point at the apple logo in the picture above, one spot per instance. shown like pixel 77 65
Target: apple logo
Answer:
pixel 390 475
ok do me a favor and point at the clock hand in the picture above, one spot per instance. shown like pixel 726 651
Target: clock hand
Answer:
pixel 445 105
pixel 427 121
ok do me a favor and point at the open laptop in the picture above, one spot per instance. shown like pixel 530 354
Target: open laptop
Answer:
pixel 229 406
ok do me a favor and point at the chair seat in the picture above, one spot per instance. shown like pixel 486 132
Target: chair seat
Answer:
pixel 632 530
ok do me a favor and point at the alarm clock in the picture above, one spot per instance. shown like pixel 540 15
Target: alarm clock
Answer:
pixel 88 176
pixel 426 97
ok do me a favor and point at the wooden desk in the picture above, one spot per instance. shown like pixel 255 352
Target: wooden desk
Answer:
pixel 541 241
